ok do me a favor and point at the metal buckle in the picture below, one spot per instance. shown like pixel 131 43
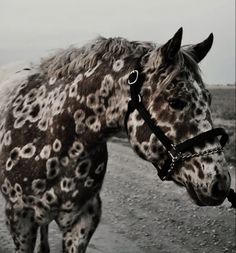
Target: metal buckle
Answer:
pixel 174 154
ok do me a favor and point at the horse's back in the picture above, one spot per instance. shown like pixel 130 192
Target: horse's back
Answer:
pixel 11 76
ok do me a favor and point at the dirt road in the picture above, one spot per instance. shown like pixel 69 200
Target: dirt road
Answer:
pixel 141 214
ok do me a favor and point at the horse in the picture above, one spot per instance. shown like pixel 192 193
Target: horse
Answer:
pixel 56 118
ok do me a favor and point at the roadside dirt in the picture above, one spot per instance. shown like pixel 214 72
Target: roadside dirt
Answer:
pixel 159 216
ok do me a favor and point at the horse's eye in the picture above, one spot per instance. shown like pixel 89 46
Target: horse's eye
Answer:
pixel 177 104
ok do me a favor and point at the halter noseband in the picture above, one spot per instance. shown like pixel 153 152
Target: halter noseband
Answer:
pixel 175 153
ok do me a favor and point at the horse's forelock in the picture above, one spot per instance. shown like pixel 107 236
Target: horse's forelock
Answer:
pixel 184 61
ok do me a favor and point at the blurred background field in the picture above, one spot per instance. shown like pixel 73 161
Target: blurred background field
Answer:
pixel 224 115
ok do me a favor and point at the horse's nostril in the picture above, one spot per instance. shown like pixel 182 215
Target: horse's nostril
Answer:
pixel 218 190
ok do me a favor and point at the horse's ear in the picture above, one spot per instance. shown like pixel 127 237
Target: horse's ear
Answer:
pixel 171 48
pixel 200 50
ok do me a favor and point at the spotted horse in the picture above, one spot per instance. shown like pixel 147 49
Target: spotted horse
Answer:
pixel 57 116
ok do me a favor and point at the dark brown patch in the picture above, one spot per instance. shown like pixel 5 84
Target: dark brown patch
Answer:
pixel 158 103
pixel 35 110
pixel 49 197
pixel 19 107
pixel 39 185
pixel 143 133
pixel 138 117
pixel 82 231
pixel 145 147
pixel 92 121
pixel 69 243
pixel 207 159
pixel 14 155
pixel 189 167
pixel 64 183
pixel 138 151
pixel 83 168
pixel 199 169
pixel 196 164
pixel 153 149
pixel 198 111
pixel 12 193
pixel 130 129
pixel 216 169
pixel 90 209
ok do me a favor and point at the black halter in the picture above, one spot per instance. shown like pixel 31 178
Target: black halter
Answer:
pixel 175 153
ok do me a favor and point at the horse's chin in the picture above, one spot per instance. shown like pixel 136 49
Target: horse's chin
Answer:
pixel 203 200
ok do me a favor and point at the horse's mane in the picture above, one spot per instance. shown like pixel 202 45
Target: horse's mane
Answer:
pixel 68 61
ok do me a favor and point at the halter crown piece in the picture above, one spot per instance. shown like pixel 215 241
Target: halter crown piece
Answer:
pixel 175 152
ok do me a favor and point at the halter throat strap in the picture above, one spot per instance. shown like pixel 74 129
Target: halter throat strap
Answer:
pixel 174 152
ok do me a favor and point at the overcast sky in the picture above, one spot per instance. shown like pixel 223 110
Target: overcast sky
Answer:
pixel 30 29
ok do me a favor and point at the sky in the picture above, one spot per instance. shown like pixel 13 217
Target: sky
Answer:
pixel 31 29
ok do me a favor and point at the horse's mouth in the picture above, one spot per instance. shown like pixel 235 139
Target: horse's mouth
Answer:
pixel 202 200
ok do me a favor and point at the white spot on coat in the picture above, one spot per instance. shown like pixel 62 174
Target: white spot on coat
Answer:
pixel 79 115
pixel 82 169
pixel 56 145
pixel 52 80
pixel 91 71
pixel 7 138
pixel 52 166
pixel 28 151
pixel 76 149
pixel 39 186
pixel 89 182
pixel 45 152
pixel 118 65
pixel 73 90
pixel 100 168
pixel 9 164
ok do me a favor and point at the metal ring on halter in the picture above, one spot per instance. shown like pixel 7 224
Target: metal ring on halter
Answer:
pixel 130 82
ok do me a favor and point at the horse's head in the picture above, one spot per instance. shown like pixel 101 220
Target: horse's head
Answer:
pixel 176 99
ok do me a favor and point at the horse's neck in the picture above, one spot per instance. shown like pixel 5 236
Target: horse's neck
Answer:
pixel 98 103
